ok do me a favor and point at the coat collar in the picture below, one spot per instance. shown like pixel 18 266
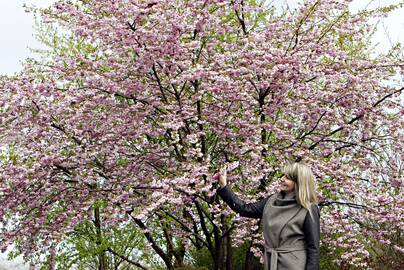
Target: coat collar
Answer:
pixel 284 198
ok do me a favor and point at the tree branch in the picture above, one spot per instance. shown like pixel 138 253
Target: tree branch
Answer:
pixel 125 258
pixel 356 118
pixel 151 240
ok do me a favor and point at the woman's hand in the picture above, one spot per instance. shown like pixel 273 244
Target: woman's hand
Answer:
pixel 221 176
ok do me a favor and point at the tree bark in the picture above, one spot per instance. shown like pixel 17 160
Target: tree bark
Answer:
pixel 102 262
pixel 251 262
pixel 229 258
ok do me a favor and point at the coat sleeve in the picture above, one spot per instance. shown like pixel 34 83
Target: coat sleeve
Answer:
pixel 311 228
pixel 251 210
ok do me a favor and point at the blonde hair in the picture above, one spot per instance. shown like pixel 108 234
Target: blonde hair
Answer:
pixel 303 177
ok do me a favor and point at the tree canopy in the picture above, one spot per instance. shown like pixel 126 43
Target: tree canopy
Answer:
pixel 139 102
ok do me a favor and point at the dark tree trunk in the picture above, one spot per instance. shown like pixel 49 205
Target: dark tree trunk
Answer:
pixel 251 262
pixel 229 258
pixel 102 262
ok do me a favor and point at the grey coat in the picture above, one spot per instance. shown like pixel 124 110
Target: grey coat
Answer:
pixel 292 237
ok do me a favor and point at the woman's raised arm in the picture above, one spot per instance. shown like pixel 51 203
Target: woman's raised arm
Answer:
pixel 251 210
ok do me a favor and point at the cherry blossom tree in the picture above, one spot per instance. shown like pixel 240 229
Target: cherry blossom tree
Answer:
pixel 133 119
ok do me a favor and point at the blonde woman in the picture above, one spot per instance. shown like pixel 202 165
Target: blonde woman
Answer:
pixel 290 219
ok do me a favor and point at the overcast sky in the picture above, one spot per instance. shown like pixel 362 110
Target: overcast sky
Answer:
pixel 16 31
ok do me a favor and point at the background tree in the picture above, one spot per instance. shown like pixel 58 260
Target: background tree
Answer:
pixel 154 95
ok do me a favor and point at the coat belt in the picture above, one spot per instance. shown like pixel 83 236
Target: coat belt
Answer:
pixel 282 249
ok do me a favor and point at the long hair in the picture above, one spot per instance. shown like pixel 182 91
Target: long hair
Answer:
pixel 305 188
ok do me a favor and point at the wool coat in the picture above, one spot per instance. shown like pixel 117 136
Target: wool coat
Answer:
pixel 291 235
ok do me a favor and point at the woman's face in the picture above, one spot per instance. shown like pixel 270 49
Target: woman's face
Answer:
pixel 287 185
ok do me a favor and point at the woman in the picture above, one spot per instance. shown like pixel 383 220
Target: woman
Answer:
pixel 290 219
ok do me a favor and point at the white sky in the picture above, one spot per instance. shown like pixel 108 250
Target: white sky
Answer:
pixel 16 30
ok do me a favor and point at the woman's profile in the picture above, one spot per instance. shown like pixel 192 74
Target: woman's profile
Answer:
pixel 290 219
